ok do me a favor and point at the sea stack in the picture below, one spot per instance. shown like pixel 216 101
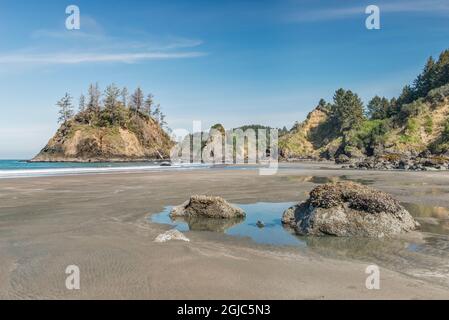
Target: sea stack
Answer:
pixel 139 138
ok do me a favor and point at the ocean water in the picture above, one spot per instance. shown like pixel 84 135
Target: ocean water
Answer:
pixel 21 168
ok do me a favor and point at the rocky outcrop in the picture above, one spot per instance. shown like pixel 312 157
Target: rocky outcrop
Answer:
pixel 347 209
pixel 410 128
pixel 142 139
pixel 422 162
pixel 207 207
pixel 302 142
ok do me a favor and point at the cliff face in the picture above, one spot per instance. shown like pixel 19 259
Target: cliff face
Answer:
pixel 309 138
pixel 141 139
pixel 420 126
pixel 413 124
pixel 426 131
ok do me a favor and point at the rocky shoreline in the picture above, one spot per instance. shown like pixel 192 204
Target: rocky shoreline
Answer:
pixel 385 162
pixel 422 162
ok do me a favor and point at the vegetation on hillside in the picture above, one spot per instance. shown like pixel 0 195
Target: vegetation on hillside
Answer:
pixel 414 122
pixel 108 125
pixel 113 107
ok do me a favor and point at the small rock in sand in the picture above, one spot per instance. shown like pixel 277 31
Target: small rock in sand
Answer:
pixel 207 207
pixel 171 235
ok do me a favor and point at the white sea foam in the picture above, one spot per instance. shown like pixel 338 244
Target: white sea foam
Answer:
pixel 25 173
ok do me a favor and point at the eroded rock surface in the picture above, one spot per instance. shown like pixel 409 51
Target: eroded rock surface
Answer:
pixel 349 209
pixel 207 207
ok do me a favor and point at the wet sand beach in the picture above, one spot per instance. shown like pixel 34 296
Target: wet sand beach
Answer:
pixel 100 222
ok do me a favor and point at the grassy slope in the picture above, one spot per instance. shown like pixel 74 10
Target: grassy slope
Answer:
pixel 427 129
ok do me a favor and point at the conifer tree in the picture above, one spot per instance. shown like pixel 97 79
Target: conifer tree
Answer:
pixel 65 108
pixel 148 104
pixel 112 105
pixel 94 96
pixel 82 103
pixel 111 96
pixel 162 121
pixel 427 79
pixel 378 108
pixel 125 97
pixel 407 95
pixel 442 69
pixel 157 113
pixel 137 99
pixel 347 110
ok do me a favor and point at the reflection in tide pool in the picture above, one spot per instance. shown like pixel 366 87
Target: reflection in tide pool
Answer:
pixel 432 219
pixel 422 254
pixel 268 213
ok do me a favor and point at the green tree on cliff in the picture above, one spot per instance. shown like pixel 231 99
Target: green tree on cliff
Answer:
pixel 435 74
pixel 125 97
pixel 347 110
pixel 137 100
pixel 113 109
pixel 407 95
pixel 65 108
pixel 427 79
pixel 323 105
pixel 148 104
pixel 162 121
pixel 378 108
pixel 82 103
pixel 111 96
pixel 157 113
pixel 94 96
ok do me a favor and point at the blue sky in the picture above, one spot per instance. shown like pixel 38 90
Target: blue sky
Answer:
pixel 234 62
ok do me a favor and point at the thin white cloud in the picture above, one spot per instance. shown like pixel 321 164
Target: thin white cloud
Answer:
pixel 92 45
pixel 178 43
pixel 83 38
pixel 66 35
pixel 76 58
pixel 440 7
